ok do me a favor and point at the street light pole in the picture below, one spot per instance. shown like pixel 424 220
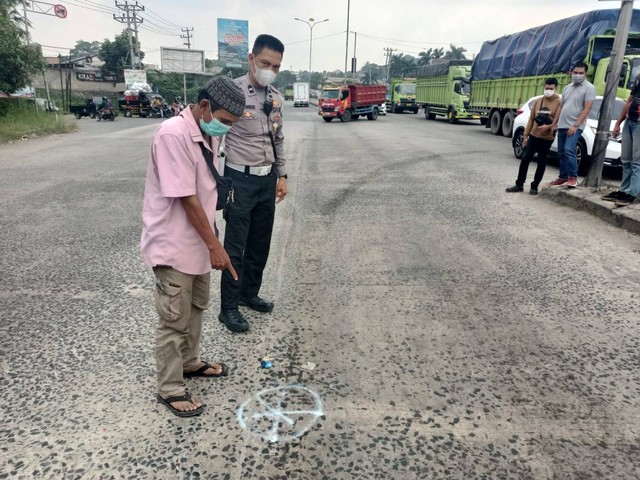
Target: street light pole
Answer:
pixel 312 23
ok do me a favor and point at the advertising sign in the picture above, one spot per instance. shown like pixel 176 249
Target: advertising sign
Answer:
pixel 181 60
pixel 134 76
pixel 233 43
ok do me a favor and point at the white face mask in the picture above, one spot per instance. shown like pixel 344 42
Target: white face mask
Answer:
pixel 549 93
pixel 577 78
pixel 264 76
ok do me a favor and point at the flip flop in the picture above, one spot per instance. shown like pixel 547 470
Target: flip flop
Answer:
pixel 200 372
pixel 181 398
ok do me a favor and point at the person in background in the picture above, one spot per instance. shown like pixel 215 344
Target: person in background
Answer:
pixel 538 136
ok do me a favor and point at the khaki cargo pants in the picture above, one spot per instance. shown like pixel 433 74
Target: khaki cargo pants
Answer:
pixel 180 300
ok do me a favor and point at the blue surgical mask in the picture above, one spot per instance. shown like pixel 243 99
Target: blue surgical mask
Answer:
pixel 214 128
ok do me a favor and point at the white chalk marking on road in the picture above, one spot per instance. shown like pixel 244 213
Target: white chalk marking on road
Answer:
pixel 265 415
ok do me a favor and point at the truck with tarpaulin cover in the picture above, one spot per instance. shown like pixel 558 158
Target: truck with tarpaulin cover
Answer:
pixel 443 89
pixel 402 96
pixel 348 102
pixel 511 69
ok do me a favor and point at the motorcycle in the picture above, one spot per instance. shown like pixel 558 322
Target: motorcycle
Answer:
pixel 107 113
pixel 161 112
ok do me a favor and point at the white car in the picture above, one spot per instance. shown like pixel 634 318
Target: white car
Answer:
pixel 584 149
pixel 382 109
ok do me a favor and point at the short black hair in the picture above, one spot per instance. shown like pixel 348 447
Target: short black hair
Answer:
pixel 551 81
pixel 267 41
pixel 580 65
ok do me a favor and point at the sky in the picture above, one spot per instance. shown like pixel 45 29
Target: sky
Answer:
pixel 409 26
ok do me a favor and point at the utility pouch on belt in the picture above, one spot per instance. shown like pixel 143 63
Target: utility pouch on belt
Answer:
pixel 225 184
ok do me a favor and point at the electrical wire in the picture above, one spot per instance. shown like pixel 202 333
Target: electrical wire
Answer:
pixel 317 38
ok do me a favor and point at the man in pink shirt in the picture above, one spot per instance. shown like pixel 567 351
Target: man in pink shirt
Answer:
pixel 179 239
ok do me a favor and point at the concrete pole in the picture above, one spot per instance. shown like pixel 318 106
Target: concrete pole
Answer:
pixel 594 177
pixel 346 50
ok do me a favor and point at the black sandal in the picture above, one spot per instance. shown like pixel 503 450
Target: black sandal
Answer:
pixel 200 372
pixel 181 398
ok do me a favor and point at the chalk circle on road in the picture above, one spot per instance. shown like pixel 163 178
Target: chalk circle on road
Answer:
pixel 281 414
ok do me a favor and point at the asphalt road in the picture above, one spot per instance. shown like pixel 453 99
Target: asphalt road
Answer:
pixel 457 332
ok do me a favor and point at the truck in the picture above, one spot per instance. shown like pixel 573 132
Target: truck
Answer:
pixel 300 94
pixel 348 102
pixel 511 69
pixel 288 92
pixel 443 89
pixel 402 96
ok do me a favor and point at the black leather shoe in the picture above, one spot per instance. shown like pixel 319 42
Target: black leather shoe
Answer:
pixel 515 188
pixel 234 320
pixel 258 304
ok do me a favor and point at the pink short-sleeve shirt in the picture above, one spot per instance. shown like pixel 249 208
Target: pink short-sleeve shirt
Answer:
pixel 177 169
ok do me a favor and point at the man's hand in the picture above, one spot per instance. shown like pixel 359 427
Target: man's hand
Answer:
pixel 220 260
pixel 281 189
pixel 616 131
pixel 524 141
pixel 572 131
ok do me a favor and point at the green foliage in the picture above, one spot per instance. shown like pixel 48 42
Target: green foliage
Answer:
pixel 456 53
pixel 373 74
pixel 402 65
pixel 286 77
pixel 115 54
pixel 84 48
pixel 18 119
pixel 18 61
pixel 170 85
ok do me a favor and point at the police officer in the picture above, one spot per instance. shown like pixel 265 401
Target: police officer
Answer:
pixel 254 159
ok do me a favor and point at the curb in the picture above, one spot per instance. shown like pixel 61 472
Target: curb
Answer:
pixel 588 199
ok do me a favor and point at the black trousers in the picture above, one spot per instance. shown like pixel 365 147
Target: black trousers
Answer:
pixel 247 237
pixel 541 147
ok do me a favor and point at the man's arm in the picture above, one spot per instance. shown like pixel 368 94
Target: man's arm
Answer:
pixel 623 114
pixel 198 219
pixel 583 116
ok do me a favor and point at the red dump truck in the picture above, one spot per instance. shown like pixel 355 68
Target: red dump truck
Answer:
pixel 348 102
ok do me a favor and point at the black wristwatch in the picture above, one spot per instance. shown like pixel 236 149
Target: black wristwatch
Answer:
pixel 284 176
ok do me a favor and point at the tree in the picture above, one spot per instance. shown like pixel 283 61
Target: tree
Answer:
pixel 424 58
pixel 84 48
pixel 285 78
pixel 402 65
pixel 115 55
pixel 456 53
pixel 18 61
pixel 437 53
pixel 372 74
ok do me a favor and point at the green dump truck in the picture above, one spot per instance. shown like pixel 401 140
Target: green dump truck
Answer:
pixel 288 92
pixel 401 96
pixel 443 89
pixel 510 70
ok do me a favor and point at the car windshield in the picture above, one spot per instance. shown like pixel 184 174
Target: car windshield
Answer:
pixel 331 94
pixel 406 89
pixel 595 110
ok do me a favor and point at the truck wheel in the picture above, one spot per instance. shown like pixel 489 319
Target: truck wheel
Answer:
pixel 507 124
pixel 584 161
pixel 78 115
pixel 127 113
pixel 427 113
pixel 327 119
pixel 373 115
pixel 415 110
pixel 518 148
pixel 346 116
pixel 496 122
pixel 451 115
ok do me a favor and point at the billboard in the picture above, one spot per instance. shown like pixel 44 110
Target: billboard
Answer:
pixel 134 76
pixel 233 43
pixel 181 60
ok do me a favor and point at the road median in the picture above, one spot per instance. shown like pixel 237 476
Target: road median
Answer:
pixel 589 200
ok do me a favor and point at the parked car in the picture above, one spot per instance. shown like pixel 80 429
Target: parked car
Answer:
pixel 584 149
pixel 383 109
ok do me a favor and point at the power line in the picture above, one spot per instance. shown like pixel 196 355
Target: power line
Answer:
pixel 188 36
pixel 129 17
pixel 316 38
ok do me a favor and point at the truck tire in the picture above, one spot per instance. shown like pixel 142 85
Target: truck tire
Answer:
pixel 495 122
pixel 127 113
pixel 415 110
pixel 507 124
pixel 451 115
pixel 355 117
pixel 327 119
pixel 373 115
pixel 346 116
pixel 584 161
pixel 427 113
pixel 78 115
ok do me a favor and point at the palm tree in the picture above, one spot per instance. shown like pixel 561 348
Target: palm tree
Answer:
pixel 437 53
pixel 456 53
pixel 424 58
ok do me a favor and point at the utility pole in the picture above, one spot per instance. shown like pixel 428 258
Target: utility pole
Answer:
pixel 354 60
pixel 594 177
pixel 130 18
pixel 346 50
pixel 188 36
pixel 389 52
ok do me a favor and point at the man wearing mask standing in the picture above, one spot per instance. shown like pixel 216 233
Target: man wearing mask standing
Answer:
pixel 577 100
pixel 538 136
pixel 254 159
pixel 179 240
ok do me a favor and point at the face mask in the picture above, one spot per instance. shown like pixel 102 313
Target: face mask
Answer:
pixel 264 76
pixel 214 128
pixel 549 93
pixel 577 78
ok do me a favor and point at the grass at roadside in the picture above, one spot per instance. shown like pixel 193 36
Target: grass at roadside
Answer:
pixel 16 123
